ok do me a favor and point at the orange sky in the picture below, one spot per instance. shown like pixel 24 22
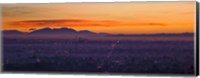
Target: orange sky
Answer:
pixel 115 18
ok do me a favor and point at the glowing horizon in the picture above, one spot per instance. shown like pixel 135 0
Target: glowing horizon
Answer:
pixel 113 18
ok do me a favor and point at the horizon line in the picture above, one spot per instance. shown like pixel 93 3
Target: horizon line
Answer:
pixel 103 32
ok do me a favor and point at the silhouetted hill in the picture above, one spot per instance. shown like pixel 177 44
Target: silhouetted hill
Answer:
pixel 162 34
pixel 12 32
pixel 61 31
pixel 86 32
pixel 105 34
pixel 71 32
pixel 48 31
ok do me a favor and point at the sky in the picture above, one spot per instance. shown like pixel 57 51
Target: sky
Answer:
pixel 113 18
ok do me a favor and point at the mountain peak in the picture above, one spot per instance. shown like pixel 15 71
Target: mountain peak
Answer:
pixel 54 31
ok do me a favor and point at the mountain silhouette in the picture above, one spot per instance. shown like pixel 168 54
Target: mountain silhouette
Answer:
pixel 54 31
pixel 160 34
pixel 48 32
pixel 86 32
pixel 71 32
pixel 12 32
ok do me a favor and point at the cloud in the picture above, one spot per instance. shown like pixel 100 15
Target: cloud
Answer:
pixel 32 29
pixel 10 11
pixel 80 22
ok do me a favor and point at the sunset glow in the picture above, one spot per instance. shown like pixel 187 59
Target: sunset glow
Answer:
pixel 127 38
pixel 115 18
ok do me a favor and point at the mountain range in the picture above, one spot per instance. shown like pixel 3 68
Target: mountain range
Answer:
pixel 69 31
pixel 49 31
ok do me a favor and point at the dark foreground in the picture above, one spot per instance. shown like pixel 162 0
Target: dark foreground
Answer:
pixel 105 56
